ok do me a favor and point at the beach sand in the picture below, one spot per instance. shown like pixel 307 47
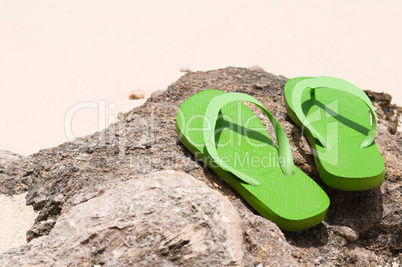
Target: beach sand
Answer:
pixel 55 56
pixel 84 58
pixel 16 219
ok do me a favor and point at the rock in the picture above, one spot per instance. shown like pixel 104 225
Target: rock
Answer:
pixel 13 165
pixel 387 114
pixel 157 93
pixel 167 218
pixel 8 158
pixel 382 129
pixel 347 232
pixel 258 86
pixel 185 68
pixel 137 94
pixel 62 178
pixel 256 68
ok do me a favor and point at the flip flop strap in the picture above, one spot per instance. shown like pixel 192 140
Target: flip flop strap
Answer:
pixel 334 83
pixel 211 116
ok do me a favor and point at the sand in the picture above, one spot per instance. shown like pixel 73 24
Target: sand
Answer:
pixel 56 55
pixel 16 219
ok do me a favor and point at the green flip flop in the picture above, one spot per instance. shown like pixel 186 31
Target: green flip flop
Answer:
pixel 231 140
pixel 333 115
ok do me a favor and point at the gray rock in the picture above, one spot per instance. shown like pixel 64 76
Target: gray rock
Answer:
pixel 12 165
pixel 61 178
pixel 167 218
pixel 346 232
pixel 157 93
pixel 388 114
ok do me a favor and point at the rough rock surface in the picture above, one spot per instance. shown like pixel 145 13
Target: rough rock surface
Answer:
pixel 12 166
pixel 388 113
pixel 168 217
pixel 362 228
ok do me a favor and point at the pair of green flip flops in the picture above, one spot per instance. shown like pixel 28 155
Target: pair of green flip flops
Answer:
pixel 332 113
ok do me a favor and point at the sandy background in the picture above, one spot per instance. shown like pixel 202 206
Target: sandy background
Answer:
pixel 15 220
pixel 56 55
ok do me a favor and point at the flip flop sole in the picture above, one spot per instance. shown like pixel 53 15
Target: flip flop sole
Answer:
pixel 293 203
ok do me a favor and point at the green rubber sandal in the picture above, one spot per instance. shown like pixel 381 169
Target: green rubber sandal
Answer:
pixel 231 140
pixel 333 115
